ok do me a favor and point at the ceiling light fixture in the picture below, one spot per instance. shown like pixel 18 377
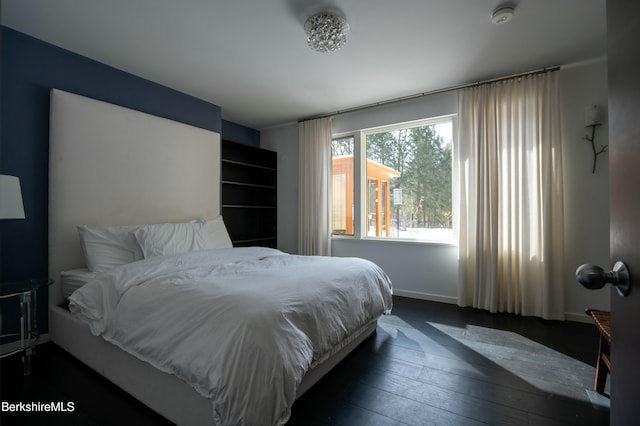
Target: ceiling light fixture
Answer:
pixel 326 31
pixel 502 15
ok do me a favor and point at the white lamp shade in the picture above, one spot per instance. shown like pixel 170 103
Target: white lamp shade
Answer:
pixel 591 115
pixel 10 198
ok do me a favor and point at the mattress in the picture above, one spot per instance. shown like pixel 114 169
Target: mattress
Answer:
pixel 164 393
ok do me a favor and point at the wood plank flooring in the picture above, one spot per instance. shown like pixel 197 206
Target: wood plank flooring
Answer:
pixel 428 364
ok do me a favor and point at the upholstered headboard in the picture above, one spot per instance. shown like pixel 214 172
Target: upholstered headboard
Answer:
pixel 110 165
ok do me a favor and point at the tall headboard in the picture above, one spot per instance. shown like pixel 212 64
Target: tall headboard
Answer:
pixel 110 165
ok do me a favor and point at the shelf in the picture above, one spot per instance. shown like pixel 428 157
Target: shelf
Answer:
pixel 244 206
pixel 242 163
pixel 226 182
pixel 258 176
pixel 253 240
pixel 242 194
pixel 249 194
pixel 247 155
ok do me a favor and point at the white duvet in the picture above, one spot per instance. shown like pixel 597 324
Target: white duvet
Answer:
pixel 242 326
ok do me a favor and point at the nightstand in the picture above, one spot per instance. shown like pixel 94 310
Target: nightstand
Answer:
pixel 26 293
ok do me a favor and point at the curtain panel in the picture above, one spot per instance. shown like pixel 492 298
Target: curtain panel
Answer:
pixel 511 219
pixel 314 214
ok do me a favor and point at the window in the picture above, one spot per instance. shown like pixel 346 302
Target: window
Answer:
pixel 342 150
pixel 405 181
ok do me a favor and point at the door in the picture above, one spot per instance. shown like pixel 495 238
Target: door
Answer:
pixel 623 34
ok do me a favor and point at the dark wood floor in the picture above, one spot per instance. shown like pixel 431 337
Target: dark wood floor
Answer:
pixel 428 364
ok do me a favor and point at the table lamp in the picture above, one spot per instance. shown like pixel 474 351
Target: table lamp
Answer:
pixel 11 206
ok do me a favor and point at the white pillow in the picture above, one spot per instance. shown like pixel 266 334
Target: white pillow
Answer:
pixel 214 234
pixel 107 247
pixel 175 238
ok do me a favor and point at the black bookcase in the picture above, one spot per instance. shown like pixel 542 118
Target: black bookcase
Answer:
pixel 249 194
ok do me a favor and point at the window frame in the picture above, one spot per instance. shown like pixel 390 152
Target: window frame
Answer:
pixel 360 182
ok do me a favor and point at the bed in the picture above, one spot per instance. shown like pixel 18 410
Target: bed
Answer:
pixel 179 274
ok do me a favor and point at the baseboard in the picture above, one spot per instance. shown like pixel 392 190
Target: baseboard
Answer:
pixel 425 296
pixel 568 316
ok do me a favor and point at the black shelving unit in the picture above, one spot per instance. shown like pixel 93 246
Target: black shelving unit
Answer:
pixel 249 194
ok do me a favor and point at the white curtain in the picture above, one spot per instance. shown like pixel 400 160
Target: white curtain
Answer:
pixel 314 210
pixel 511 227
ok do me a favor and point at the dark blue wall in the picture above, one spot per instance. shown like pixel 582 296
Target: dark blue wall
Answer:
pixel 30 68
pixel 241 134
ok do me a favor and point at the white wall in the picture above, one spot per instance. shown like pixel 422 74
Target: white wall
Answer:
pixel 284 140
pixel 586 194
pixel 419 270
pixel 429 271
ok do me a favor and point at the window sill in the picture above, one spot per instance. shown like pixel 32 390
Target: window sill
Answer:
pixel 448 243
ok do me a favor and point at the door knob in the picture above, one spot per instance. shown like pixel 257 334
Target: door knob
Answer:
pixel 593 277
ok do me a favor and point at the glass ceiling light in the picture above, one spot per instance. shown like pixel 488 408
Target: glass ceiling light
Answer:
pixel 326 31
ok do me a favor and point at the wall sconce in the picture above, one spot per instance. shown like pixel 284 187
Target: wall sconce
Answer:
pixel 591 114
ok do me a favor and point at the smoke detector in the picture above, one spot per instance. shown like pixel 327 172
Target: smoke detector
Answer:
pixel 502 15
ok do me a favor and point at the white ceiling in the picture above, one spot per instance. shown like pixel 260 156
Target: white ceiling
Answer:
pixel 251 57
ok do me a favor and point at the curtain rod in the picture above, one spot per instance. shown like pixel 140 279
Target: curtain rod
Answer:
pixel 432 92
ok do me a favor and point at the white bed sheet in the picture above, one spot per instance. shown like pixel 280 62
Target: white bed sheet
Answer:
pixel 240 353
pixel 73 279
